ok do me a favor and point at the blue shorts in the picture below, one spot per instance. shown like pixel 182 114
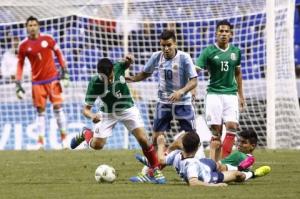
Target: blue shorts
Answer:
pixel 184 114
pixel 216 176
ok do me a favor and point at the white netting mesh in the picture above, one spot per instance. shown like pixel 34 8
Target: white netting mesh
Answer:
pixel 89 30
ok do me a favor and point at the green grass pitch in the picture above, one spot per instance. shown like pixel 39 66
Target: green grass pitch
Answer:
pixel 70 174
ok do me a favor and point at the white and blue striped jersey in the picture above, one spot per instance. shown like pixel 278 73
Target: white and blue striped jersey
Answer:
pixel 173 74
pixel 188 168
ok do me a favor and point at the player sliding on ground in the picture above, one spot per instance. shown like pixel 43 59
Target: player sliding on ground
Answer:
pixel 118 106
pixel 240 160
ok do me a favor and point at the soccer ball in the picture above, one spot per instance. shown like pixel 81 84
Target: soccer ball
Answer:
pixel 105 173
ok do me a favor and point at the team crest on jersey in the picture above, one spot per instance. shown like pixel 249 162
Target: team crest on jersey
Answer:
pixel 29 49
pixel 233 57
pixel 44 44
pixel 175 66
pixel 122 79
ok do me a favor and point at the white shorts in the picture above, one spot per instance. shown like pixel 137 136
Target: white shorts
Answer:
pixel 220 108
pixel 130 118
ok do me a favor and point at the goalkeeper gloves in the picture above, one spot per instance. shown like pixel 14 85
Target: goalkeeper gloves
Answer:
pixel 64 77
pixel 20 92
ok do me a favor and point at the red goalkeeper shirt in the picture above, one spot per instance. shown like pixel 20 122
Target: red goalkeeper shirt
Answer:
pixel 40 54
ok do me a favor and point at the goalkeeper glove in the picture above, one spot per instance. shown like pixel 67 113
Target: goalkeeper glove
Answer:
pixel 64 77
pixel 19 90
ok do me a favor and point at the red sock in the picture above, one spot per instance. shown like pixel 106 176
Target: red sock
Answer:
pixel 88 135
pixel 151 155
pixel 227 144
pixel 63 136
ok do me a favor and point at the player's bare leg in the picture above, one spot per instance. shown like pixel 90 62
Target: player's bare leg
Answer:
pixel 234 176
pixel 150 153
pixel 97 143
pixel 215 144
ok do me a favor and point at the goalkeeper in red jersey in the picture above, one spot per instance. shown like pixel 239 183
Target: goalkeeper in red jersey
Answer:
pixel 39 49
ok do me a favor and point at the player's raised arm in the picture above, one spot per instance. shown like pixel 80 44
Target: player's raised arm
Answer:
pixel 139 77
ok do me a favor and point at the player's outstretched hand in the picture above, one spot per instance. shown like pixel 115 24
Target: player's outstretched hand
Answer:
pixel 129 59
pixel 174 97
pixel 20 92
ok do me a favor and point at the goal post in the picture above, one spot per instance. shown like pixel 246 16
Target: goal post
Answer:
pixel 282 98
pixel 89 30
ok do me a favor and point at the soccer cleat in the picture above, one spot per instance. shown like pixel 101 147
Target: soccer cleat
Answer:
pixel 262 171
pixel 159 177
pixel 78 139
pixel 143 178
pixel 142 159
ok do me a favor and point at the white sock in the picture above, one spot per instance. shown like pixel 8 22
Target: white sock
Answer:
pixel 41 124
pixel 248 174
pixel 60 119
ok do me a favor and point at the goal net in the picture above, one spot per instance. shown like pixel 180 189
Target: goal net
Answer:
pixel 89 30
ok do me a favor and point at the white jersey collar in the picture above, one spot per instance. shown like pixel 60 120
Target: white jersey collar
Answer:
pixel 221 48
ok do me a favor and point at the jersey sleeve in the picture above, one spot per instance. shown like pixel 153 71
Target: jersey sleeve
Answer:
pixel 202 60
pixel 54 46
pixel 152 63
pixel 234 158
pixel 189 67
pixel 92 93
pixel 171 157
pixel 20 64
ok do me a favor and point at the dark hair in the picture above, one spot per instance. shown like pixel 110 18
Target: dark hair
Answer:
pixel 105 66
pixel 224 23
pixel 32 18
pixel 190 142
pixel 168 34
pixel 249 134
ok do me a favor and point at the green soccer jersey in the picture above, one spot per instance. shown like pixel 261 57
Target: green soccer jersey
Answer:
pixel 221 65
pixel 234 159
pixel 116 97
